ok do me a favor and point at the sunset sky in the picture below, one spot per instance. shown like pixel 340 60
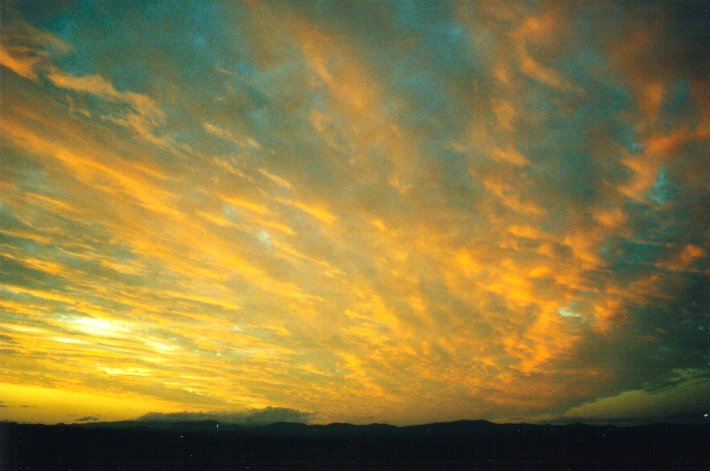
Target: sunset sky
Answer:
pixel 365 211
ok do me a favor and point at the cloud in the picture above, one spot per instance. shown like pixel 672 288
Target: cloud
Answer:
pixel 143 115
pixel 684 400
pixel 88 418
pixel 265 416
pixel 358 210
pixel 25 47
pixel 321 214
pixel 243 142
pixel 539 28
pixel 31 53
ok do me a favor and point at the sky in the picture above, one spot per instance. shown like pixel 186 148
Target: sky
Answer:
pixel 378 211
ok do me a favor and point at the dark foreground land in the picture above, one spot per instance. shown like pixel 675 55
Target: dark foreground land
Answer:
pixel 449 446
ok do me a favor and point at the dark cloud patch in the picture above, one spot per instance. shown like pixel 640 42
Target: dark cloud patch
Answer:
pixel 679 30
pixel 685 399
pixel 686 46
pixel 268 415
pixel 88 418
pixel 656 347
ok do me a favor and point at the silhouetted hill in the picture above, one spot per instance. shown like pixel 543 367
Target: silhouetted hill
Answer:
pixel 207 444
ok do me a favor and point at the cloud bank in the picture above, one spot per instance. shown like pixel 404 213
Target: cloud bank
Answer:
pixel 265 416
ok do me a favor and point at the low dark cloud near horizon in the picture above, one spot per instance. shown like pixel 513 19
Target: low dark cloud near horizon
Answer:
pixel 265 416
pixel 88 418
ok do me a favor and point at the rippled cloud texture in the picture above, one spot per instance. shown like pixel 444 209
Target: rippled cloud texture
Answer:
pixel 369 211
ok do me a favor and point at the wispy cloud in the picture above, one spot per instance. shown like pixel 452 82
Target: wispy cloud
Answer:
pixel 25 47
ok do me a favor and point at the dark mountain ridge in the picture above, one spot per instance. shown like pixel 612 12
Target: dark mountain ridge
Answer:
pixel 209 444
